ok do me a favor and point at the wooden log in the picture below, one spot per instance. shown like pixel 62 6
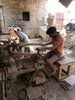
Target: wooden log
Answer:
pixel 18 44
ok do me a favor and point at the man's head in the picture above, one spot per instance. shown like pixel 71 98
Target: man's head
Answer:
pixel 52 32
pixel 17 29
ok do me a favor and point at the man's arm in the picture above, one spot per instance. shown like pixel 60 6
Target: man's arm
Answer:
pixel 54 46
pixel 47 48
pixel 48 43
pixel 44 47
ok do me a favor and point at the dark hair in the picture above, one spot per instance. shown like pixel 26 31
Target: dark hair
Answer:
pixel 51 30
pixel 16 30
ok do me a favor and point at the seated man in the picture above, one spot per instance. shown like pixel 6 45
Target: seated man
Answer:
pixel 56 51
pixel 23 38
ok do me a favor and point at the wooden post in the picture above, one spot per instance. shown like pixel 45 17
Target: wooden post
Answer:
pixel 69 69
pixel 59 72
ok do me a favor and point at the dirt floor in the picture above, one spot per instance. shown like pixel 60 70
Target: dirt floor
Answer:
pixel 36 92
pixel 50 90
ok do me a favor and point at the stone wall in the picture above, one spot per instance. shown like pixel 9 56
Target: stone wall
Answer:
pixel 12 13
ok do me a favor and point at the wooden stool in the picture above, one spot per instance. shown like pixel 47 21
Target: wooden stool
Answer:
pixel 62 63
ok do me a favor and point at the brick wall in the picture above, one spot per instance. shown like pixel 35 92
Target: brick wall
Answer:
pixel 12 11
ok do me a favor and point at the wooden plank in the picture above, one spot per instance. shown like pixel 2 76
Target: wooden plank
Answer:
pixel 59 73
pixel 70 80
pixel 65 61
pixel 26 44
pixel 19 44
pixel 25 71
pixel 21 53
pixel 64 86
pixel 68 83
pixel 2 91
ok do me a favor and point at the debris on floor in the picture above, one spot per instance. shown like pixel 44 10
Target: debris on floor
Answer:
pixel 50 95
pixel 38 93
pixel 35 92
pixel 40 78
pixel 22 94
pixel 68 83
